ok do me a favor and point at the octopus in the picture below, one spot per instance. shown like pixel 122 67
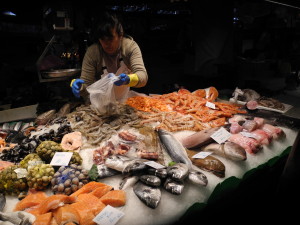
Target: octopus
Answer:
pixel 72 141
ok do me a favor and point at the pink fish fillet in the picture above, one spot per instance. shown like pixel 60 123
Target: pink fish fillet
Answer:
pixel 260 121
pixel 251 145
pixel 272 130
pixel 262 136
pixel 235 128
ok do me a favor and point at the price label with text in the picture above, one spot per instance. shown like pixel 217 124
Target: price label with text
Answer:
pixel 221 135
pixel 201 155
pixel 108 216
pixel 154 165
pixel 61 158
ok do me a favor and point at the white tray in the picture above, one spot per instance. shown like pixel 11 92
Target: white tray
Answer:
pixel 286 106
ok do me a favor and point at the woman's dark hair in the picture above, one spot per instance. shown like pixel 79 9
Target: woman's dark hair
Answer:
pixel 105 24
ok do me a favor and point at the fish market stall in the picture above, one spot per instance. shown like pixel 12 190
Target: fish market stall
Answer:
pixel 155 156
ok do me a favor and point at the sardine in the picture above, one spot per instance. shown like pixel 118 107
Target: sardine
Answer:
pixel 174 147
pixel 174 187
pixel 2 201
pixel 161 173
pixel 151 180
pixel 197 177
pixel 128 181
pixel 228 150
pixel 199 138
pixel 150 196
pixel 104 171
pixel 45 117
pixel 209 163
pixel 178 172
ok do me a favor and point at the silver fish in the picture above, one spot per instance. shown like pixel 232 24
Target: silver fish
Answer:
pixel 128 181
pixel 173 187
pixel 150 196
pixel 116 162
pixel 174 148
pixel 2 201
pixel 161 173
pixel 228 150
pixel 124 164
pixel 151 180
pixel 199 138
pixel 135 165
pixel 5 126
pixel 197 177
pixel 104 171
pixel 18 126
pixel 17 218
pixel 178 172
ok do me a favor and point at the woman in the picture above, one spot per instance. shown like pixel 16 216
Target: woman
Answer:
pixel 113 53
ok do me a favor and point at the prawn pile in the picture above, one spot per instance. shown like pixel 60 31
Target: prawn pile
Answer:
pixel 184 110
pixel 96 127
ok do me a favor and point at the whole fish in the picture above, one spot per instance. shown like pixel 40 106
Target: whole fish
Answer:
pixel 5 126
pixel 228 150
pixel 2 201
pixel 104 171
pixel 151 180
pixel 124 164
pixel 45 117
pixel 161 173
pixel 199 138
pixel 197 177
pixel 18 126
pixel 128 181
pixel 150 196
pixel 174 187
pixel 178 172
pixel 209 163
pixel 174 147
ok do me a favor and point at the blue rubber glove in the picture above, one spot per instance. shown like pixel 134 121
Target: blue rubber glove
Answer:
pixel 76 85
pixel 123 79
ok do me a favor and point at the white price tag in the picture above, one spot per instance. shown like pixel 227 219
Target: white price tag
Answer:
pixel 221 135
pixel 61 158
pixel 201 155
pixel 21 172
pixel 210 105
pixel 247 134
pixel 108 216
pixel 154 164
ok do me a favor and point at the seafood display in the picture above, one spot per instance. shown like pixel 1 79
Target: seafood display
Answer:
pixel 140 152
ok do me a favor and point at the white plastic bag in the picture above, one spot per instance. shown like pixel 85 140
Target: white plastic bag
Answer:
pixel 102 95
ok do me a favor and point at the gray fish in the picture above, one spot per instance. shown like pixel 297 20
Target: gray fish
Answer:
pixel 124 164
pixel 178 172
pixel 173 187
pixel 197 177
pixel 128 181
pixel 104 171
pixel 150 196
pixel 174 148
pixel 116 162
pixel 2 201
pixel 199 138
pixel 17 218
pixel 151 180
pixel 228 150
pixel 135 165
pixel 161 173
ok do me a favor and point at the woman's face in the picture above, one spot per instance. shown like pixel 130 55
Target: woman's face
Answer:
pixel 111 44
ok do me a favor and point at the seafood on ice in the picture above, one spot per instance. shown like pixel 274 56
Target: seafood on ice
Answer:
pixel 72 141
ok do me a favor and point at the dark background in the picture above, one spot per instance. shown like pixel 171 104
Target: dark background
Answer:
pixel 194 44
pixel 191 44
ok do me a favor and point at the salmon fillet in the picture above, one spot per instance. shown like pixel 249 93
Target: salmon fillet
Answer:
pixel 44 219
pixel 32 199
pixel 115 198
